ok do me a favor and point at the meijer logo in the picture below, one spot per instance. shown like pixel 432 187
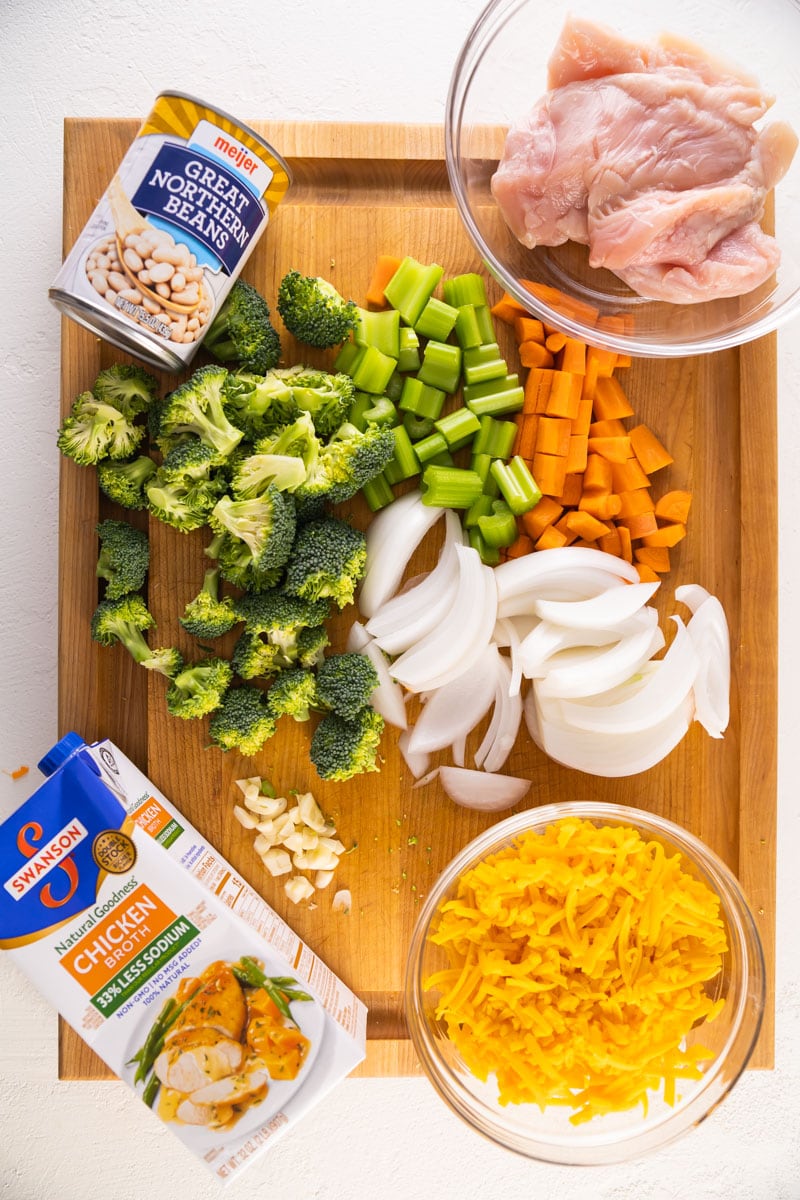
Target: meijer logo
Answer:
pixel 44 858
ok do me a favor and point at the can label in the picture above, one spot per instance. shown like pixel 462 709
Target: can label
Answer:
pixel 172 232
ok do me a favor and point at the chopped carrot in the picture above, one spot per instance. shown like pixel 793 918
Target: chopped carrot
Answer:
pixel 572 489
pixel 556 341
pixel 641 525
pixel 551 539
pixel 519 548
pixel 583 419
pixel 538 384
pixel 591 375
pixel 562 303
pixel 529 329
pixel 534 354
pixel 382 272
pixel 633 504
pixel 606 360
pixel 674 506
pixel 525 443
pixel 648 449
pixel 552 436
pixel 549 471
pixel 584 525
pixel 564 527
pixel 573 357
pixel 597 476
pixel 628 476
pixel 610 402
pixel 540 516
pixel 577 453
pixel 666 535
pixel 612 428
pixel 624 360
pixel 565 395
pixel 612 323
pixel 615 449
pixel 646 574
pixel 611 542
pixel 626 550
pixel 604 506
pixel 507 309
pixel 654 557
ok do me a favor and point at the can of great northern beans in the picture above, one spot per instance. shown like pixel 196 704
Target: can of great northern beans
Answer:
pixel 173 230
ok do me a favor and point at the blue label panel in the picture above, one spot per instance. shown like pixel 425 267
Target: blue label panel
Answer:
pixel 199 195
pixel 47 870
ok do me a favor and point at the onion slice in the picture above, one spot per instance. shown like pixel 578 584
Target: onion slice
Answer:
pixel 526 573
pixel 708 630
pixel 452 711
pixel 591 670
pixel 481 791
pixel 607 610
pixel 392 537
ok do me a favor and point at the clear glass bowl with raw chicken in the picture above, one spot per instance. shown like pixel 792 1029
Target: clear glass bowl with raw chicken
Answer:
pixel 629 172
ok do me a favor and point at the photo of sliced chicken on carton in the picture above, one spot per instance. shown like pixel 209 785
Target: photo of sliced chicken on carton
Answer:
pixel 173 970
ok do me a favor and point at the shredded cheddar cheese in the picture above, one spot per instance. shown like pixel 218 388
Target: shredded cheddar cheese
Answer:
pixel 579 959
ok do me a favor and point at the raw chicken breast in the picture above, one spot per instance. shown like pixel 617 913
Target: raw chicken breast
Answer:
pixel 650 157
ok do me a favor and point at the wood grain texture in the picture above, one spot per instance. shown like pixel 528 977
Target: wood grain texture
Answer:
pixel 360 190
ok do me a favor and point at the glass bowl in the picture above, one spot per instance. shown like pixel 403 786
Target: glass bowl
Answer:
pixel 546 1133
pixel 499 76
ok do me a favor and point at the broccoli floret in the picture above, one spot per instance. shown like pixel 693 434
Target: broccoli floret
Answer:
pixel 95 430
pixel 345 683
pixel 342 748
pixel 124 482
pixel 242 722
pixel 314 311
pixel 185 488
pixel 283 458
pixel 126 620
pixel 196 407
pixel 266 525
pixel 329 558
pixel 188 459
pixel 293 694
pixel 326 397
pixel 123 559
pixel 311 645
pixel 308 508
pixel 349 460
pixel 242 331
pixel 257 404
pixel 254 656
pixel 198 690
pixel 236 564
pixel 129 388
pixel 278 621
pixel 207 615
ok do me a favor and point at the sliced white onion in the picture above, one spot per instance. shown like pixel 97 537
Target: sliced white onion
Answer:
pixel 692 595
pixel 417 764
pixel 708 630
pixel 606 610
pixel 387 698
pixel 665 690
pixel 590 670
pixel 546 640
pixel 449 649
pixel 508 632
pixel 499 739
pixel 482 791
pixel 392 537
pixel 453 710
pixel 526 573
pixel 357 638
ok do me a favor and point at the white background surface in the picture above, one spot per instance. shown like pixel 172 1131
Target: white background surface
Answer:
pixel 389 1138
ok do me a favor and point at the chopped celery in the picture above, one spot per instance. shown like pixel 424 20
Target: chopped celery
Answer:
pixel 482 463
pixel 518 487
pixel 379 329
pixel 441 366
pixel 481 507
pixel 468 288
pixel 490 555
pixel 498 527
pixel 428 447
pixel 361 402
pixel 346 357
pixel 411 287
pixel 377 492
pixel 495 396
pixel 482 363
pixel 394 388
pixel 417 427
pixel 436 320
pixel 483 315
pixel 371 370
pixel 421 399
pixel 467 329
pixel 445 459
pixel 382 412
pixel 450 487
pixel 495 438
pixel 408 359
pixel 458 427
pixel 404 462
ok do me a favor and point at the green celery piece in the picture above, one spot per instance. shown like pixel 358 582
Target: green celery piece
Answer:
pixel 394 388
pixel 417 427
pixel 382 412
pixel 458 427
pixel 379 329
pixel 483 315
pixel 421 399
pixel 408 359
pixel 482 363
pixel 404 463
pixel 377 492
pixel 450 487
pixel 518 487
pixel 482 463
pixel 499 527
pixel 411 286
pixel 362 401
pixel 436 320
pixel 467 329
pixel 468 288
pixel 428 447
pixel 372 370
pixel 495 396
pixel 490 555
pixel 346 357
pixel 482 507
pixel 445 459
pixel 441 366
pixel 495 438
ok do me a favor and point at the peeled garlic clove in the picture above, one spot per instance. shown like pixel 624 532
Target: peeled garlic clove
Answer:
pixel 342 902
pixel 277 861
pixel 323 878
pixel 298 888
pixel 244 817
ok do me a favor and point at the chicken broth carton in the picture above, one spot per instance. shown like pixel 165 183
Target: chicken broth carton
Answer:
pixel 175 972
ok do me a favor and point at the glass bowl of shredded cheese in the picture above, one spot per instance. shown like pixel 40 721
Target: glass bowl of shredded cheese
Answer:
pixel 628 171
pixel 585 983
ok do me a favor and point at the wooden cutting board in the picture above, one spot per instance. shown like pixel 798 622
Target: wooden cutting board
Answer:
pixel 359 190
